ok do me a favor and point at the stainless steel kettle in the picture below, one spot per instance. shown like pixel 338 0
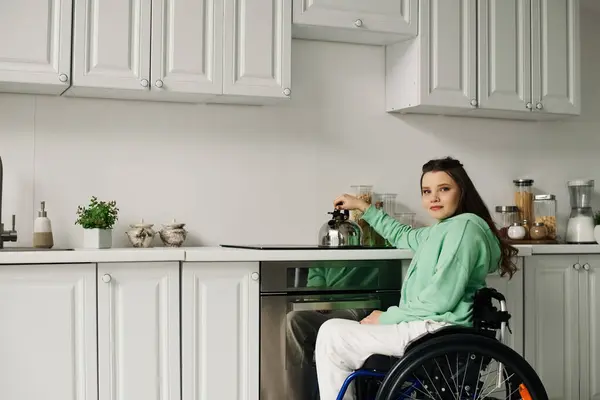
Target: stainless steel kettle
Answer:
pixel 340 231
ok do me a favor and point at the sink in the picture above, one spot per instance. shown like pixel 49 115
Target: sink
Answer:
pixel 17 249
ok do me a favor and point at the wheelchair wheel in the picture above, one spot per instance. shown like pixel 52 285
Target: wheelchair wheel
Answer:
pixel 462 366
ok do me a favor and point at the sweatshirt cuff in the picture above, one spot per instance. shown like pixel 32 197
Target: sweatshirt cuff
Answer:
pixel 386 318
pixel 369 213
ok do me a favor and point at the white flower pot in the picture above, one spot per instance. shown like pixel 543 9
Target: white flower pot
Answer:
pixel 597 233
pixel 97 238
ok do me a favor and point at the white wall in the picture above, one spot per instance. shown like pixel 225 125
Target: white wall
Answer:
pixel 269 174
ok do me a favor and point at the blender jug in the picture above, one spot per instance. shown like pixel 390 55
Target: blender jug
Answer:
pixel 580 227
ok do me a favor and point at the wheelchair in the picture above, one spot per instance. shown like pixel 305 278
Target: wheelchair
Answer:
pixel 451 363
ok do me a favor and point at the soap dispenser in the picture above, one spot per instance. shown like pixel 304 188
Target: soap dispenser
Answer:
pixel 42 230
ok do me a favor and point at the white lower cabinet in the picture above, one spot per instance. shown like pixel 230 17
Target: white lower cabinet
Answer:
pixel 48 332
pixel 138 331
pixel 220 337
pixel 562 304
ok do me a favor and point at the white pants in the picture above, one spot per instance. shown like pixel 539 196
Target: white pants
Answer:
pixel 343 346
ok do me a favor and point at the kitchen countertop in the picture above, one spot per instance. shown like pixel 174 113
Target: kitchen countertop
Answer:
pixel 216 254
pixel 208 253
pixel 56 256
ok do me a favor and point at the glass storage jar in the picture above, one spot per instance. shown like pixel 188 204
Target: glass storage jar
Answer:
pixel 389 203
pixel 544 209
pixel 517 231
pixel 506 216
pixel 363 192
pixel 406 218
pixel 524 198
pixel 538 231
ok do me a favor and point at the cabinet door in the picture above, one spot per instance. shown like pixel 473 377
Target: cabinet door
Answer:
pixel 552 323
pixel 35 46
pixel 358 21
pixel 512 289
pixel 138 331
pixel 589 338
pixel 220 320
pixel 504 62
pixel 257 49
pixel 48 332
pixel 556 56
pixel 448 53
pixel 187 49
pixel 111 48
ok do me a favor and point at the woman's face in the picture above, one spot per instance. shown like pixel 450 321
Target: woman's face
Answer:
pixel 440 194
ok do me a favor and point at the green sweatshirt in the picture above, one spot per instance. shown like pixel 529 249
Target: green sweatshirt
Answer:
pixel 451 261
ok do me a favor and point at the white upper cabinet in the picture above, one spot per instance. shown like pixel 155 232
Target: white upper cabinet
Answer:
pixel 143 49
pixel 436 71
pixel 504 62
pixel 186 50
pixel 35 46
pixel 257 45
pixel 521 62
pixel 355 21
pixel 111 48
pixel 556 56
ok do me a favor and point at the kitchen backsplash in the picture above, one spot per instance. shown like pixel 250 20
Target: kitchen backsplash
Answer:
pixel 269 174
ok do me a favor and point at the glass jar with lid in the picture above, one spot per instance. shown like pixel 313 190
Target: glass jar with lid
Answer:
pixel 538 231
pixel 524 198
pixel 544 209
pixel 506 216
pixel 363 192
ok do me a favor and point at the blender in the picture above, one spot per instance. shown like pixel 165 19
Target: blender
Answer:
pixel 580 227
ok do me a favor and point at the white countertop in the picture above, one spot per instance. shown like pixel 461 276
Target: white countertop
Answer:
pixel 216 254
pixel 92 255
pixel 565 249
pixel 230 254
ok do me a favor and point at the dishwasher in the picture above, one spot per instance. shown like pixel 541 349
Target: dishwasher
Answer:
pixel 297 297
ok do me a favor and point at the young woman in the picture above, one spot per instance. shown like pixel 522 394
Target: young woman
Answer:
pixel 451 261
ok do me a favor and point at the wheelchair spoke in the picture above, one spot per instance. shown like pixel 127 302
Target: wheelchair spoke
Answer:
pixel 423 386
pixel 445 380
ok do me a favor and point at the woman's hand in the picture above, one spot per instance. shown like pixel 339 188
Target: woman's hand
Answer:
pixel 348 202
pixel 372 318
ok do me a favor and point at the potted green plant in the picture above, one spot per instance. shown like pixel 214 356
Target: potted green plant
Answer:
pixel 597 226
pixel 97 221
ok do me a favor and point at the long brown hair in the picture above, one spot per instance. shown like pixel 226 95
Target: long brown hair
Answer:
pixel 471 202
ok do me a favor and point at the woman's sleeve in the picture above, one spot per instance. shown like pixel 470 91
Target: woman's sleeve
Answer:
pixel 458 256
pixel 400 235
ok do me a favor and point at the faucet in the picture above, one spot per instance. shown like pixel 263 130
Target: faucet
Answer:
pixel 5 236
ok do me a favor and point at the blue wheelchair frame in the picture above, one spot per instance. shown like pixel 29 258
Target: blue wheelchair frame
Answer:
pixel 484 319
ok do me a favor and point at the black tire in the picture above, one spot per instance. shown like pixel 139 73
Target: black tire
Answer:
pixel 436 347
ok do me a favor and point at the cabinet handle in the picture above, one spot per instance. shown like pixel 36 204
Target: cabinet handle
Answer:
pixel 63 78
pixel 254 276
pixel 358 23
pixel 144 82
pixel 529 106
pixel 577 266
pixel 586 266
pixel 474 103
pixel 287 91
pixel 106 278
pixel 158 83
pixel 539 106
